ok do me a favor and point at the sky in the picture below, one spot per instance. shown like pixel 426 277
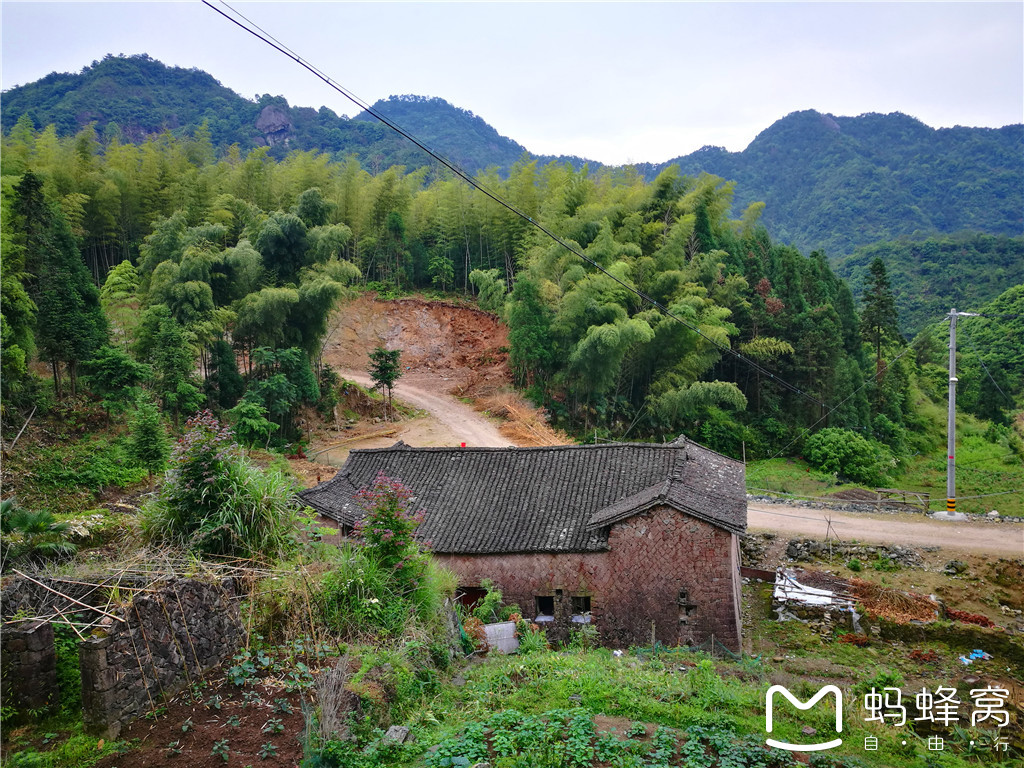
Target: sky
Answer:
pixel 613 82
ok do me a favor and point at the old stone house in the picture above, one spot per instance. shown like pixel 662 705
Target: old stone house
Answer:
pixel 641 539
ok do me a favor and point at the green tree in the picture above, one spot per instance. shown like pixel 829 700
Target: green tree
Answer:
pixel 878 318
pixel 115 376
pixel 17 316
pixel 847 454
pixel 283 243
pixel 385 369
pixel 70 325
pixel 174 368
pixel 120 301
pixel 531 345
pixel 252 427
pixel 224 384
pixel 148 446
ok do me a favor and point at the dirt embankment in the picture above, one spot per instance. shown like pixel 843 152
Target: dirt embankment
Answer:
pixel 455 346
pixel 455 367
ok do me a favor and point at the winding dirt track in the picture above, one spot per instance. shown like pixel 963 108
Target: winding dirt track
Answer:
pixel 451 421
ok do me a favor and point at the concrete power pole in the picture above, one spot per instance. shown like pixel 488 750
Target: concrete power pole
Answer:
pixel 951 421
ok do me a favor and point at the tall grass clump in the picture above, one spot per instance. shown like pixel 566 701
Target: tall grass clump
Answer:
pixel 386 579
pixel 215 502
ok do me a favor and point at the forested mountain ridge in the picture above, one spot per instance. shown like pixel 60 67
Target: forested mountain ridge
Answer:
pixel 837 183
pixel 829 183
pixel 929 277
pixel 133 97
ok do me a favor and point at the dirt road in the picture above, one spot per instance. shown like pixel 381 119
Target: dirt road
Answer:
pixel 1003 539
pixel 451 422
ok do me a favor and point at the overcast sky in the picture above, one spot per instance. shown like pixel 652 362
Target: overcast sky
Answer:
pixel 614 82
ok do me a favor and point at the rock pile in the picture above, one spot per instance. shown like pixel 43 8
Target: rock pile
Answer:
pixel 807 550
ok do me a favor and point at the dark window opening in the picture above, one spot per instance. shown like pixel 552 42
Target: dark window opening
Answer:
pixel 687 609
pixel 470 597
pixel 581 609
pixel 545 605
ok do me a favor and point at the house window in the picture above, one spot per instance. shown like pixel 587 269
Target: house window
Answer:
pixel 687 609
pixel 581 609
pixel 545 608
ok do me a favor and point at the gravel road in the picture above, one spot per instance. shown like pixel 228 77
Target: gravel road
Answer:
pixel 1002 539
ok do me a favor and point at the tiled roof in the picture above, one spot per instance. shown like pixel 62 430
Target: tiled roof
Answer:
pixel 557 499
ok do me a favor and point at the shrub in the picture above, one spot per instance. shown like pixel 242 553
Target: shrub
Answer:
pixel 215 502
pixel 388 529
pixel 488 609
pixel 846 453
pixel 31 536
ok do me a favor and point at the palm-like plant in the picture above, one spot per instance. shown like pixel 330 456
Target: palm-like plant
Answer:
pixel 32 537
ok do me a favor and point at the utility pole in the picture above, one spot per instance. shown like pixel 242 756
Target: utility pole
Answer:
pixel 951 421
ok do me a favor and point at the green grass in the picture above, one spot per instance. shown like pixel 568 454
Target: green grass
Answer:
pixel 537 711
pixel 983 467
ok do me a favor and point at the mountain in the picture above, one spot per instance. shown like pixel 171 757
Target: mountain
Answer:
pixel 830 183
pixel 836 183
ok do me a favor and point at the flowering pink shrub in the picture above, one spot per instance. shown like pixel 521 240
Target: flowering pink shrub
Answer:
pixel 389 527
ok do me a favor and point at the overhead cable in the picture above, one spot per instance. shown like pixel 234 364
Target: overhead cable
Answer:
pixel 265 37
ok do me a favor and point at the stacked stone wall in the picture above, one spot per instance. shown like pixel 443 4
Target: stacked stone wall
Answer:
pixel 163 640
pixel 28 667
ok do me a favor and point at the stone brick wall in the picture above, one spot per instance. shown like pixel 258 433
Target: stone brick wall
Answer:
pixel 663 571
pixel 168 637
pixel 29 666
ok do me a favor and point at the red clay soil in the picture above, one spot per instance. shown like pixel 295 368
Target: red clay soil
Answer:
pixel 460 342
pixel 210 725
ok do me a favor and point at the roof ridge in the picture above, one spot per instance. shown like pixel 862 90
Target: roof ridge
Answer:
pixel 402 446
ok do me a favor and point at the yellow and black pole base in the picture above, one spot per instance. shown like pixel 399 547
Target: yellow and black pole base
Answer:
pixel 951 505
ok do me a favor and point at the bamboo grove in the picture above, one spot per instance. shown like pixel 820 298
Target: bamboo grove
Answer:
pixel 181 261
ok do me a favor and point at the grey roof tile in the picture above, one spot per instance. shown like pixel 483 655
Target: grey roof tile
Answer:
pixel 554 499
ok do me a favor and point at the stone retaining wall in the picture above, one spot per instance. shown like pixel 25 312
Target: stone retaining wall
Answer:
pixel 167 638
pixel 29 666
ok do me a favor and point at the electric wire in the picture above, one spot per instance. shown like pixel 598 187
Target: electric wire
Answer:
pixel 284 50
pixel 1000 457
pixel 829 412
pixel 984 367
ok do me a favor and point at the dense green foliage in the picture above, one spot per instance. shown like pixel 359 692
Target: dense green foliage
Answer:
pixel 216 502
pixel 931 276
pixel 236 264
pixel 990 358
pixel 829 183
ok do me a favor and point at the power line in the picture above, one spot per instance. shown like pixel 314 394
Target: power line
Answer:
pixel 985 368
pixel 841 402
pixel 265 37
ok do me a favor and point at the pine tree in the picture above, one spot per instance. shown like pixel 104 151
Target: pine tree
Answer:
pixel 878 319
pixel 385 370
pixel 148 445
pixel 70 325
